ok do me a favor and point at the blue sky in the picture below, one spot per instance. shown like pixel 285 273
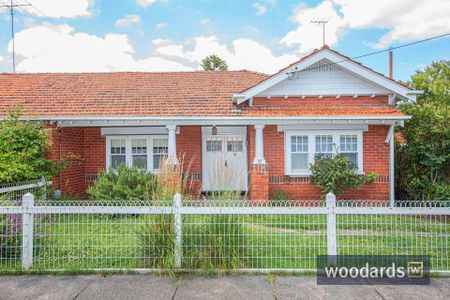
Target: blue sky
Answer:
pixel 262 35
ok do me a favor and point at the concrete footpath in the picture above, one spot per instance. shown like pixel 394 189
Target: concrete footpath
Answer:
pixel 196 287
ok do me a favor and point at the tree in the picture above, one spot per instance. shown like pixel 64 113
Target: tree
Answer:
pixel 23 148
pixel 214 63
pixel 423 163
pixel 338 174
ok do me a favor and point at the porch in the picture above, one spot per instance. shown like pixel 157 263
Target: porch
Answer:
pixel 254 157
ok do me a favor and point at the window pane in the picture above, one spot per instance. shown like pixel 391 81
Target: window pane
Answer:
pixel 235 145
pixel 352 157
pixel 117 146
pixel 320 156
pixel 348 143
pixel 160 151
pixel 214 144
pixel 299 161
pixel 299 144
pixel 117 160
pixel 139 146
pixel 140 161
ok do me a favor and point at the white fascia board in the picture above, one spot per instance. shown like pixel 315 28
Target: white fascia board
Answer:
pixel 339 60
pixel 218 121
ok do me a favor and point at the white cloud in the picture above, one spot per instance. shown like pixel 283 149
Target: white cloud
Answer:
pixel 405 20
pixel 50 48
pixel 244 54
pixel 128 20
pixel 260 8
pixel 205 21
pixel 160 25
pixel 147 3
pixel 61 8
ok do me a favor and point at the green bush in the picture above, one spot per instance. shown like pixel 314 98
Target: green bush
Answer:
pixel 123 184
pixel 23 150
pixel 338 174
pixel 423 162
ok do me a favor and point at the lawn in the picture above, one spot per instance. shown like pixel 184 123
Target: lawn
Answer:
pixel 83 242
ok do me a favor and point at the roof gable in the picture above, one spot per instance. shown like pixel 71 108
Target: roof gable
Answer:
pixel 333 58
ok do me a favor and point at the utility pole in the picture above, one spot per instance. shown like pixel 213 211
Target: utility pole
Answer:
pixel 11 7
pixel 323 22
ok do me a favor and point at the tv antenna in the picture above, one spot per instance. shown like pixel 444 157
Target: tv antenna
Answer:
pixel 322 22
pixel 11 7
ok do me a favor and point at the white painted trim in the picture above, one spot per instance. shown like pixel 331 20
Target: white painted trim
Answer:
pixel 311 147
pixel 390 138
pixel 134 130
pixel 259 145
pixel 335 58
pixel 323 127
pixel 225 130
pixel 390 134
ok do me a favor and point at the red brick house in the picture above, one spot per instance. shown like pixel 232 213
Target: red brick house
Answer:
pixel 266 129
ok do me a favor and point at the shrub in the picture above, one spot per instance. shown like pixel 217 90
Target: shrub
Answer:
pixel 123 184
pixel 23 149
pixel 338 174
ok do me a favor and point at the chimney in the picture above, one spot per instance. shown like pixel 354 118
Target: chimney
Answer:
pixel 391 58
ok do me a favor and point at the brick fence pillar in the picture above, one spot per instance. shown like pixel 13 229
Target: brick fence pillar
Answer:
pixel 259 184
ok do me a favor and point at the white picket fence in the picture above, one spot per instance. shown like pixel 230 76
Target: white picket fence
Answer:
pixel 239 234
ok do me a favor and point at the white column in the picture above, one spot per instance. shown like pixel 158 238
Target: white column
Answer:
pixel 27 231
pixel 259 145
pixel 392 167
pixel 172 143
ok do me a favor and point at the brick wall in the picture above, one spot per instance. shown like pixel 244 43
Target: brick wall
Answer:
pixel 189 150
pixel 376 158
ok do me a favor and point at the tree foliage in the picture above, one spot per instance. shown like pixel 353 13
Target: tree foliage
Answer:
pixel 423 163
pixel 214 63
pixel 23 149
pixel 338 174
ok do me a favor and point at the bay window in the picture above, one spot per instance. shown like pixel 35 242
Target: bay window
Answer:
pixel 142 152
pixel 304 147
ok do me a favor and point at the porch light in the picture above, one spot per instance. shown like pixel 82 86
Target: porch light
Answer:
pixel 214 130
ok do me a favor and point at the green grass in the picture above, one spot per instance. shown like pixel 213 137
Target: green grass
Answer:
pixel 84 242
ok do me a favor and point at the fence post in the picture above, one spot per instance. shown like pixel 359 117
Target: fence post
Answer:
pixel 331 227
pixel 178 229
pixel 27 231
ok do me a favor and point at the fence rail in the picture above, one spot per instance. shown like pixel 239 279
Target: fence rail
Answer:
pixel 215 234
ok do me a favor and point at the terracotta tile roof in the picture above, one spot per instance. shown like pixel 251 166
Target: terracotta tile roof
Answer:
pixel 322 110
pixel 134 94
pixel 124 93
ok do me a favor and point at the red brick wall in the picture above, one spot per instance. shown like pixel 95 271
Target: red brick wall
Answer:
pixel 315 100
pixel 376 158
pixel 68 143
pixel 189 150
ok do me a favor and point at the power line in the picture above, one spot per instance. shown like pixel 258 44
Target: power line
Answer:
pixel 11 7
pixel 293 73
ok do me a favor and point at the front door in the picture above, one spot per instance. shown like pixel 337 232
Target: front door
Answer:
pixel 224 162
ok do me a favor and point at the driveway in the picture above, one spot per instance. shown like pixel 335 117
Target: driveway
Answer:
pixel 196 287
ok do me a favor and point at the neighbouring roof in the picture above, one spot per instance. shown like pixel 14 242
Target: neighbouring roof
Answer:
pixel 139 94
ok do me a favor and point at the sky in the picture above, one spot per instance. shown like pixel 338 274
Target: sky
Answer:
pixel 258 35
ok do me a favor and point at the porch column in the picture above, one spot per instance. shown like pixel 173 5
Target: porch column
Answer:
pixel 259 145
pixel 172 143
pixel 259 174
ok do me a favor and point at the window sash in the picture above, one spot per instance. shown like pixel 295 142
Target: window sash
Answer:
pixel 323 148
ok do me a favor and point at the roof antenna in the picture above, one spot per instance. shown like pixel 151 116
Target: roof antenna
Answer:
pixel 323 22
pixel 11 7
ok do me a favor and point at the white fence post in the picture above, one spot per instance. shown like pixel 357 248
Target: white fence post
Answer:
pixel 178 229
pixel 331 227
pixel 27 231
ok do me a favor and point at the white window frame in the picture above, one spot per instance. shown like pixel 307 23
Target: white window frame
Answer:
pixel 128 150
pixel 312 147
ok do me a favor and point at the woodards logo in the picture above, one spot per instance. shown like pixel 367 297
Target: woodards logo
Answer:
pixel 336 270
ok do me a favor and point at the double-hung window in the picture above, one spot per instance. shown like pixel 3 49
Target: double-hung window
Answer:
pixel 304 147
pixel 142 152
